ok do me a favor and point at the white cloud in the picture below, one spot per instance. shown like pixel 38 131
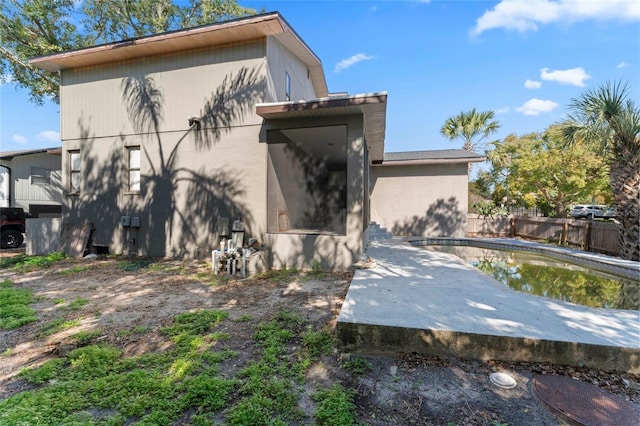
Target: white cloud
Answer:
pixel 531 84
pixel 48 136
pixel 19 139
pixel 346 63
pixel 528 15
pixel 622 64
pixel 536 106
pixel 573 76
pixel 502 110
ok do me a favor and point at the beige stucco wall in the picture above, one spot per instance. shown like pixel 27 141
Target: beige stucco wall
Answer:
pixel 190 178
pixel 280 61
pixel 332 251
pixel 420 200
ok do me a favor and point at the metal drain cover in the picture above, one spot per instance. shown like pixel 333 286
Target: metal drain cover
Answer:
pixel 582 403
pixel 503 380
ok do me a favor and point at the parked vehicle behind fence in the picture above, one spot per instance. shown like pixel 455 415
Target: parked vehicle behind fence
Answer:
pixel 12 226
pixel 592 211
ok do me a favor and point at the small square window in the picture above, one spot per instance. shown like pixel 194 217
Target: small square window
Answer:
pixel 40 176
pixel 74 171
pixel 134 169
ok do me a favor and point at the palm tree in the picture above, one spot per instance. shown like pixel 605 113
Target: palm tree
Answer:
pixel 472 127
pixel 609 121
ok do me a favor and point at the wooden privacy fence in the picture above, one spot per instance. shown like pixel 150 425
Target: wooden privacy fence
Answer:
pixel 589 235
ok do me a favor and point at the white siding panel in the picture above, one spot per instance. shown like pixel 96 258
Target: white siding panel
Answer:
pixel 23 192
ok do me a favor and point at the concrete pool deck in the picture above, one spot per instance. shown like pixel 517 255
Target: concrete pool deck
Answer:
pixel 415 300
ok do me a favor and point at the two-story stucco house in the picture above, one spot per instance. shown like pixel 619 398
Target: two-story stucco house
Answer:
pixel 167 139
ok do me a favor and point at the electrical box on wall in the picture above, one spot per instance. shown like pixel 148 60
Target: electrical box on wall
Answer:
pixel 125 220
pixel 135 222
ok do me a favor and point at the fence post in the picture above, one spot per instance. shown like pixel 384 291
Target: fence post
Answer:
pixel 512 227
pixel 565 233
pixel 587 237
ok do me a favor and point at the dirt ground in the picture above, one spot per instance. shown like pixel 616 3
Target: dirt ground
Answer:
pixel 407 389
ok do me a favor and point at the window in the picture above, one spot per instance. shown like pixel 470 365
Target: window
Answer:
pixel 287 86
pixel 40 176
pixel 134 169
pixel 74 171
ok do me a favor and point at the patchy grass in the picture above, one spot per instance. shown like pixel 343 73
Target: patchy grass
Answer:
pixel 335 406
pixel 57 326
pixel 24 263
pixel 136 264
pixel 74 270
pixel 96 384
pixel 14 306
pixel 283 274
pixel 77 304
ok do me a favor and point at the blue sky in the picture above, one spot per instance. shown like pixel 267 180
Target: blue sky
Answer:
pixel 523 59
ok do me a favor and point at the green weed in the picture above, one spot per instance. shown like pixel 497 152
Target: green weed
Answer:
pixel 77 304
pixel 357 366
pixel 24 263
pixel 136 264
pixel 195 322
pixel 316 271
pixel 149 389
pixel 245 318
pixel 74 270
pixel 57 325
pixel 166 267
pixel 284 274
pixel 318 342
pixel 14 309
pixel 83 338
pixel 335 406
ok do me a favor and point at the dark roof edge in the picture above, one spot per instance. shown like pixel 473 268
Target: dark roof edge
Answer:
pixel 8 155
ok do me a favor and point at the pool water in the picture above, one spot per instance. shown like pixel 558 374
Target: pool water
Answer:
pixel 543 276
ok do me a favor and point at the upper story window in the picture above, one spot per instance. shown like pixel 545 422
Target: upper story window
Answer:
pixel 133 169
pixel 287 86
pixel 40 176
pixel 74 171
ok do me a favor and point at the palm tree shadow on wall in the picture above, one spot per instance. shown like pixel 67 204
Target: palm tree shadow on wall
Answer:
pixel 320 209
pixel 442 219
pixel 97 201
pixel 179 230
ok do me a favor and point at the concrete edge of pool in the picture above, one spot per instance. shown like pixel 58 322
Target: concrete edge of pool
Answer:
pixel 415 300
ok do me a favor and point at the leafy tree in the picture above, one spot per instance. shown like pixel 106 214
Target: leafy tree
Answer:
pixel 30 28
pixel 607 120
pixel 536 170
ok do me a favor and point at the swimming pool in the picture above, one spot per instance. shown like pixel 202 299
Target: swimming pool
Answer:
pixel 541 275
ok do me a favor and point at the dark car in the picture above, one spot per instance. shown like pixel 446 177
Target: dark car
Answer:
pixel 12 226
pixel 588 211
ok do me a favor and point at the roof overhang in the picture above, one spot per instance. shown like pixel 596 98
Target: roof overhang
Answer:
pixel 373 107
pixel 9 155
pixel 430 161
pixel 222 33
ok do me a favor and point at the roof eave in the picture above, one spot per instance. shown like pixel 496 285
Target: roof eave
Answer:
pixel 431 161
pixel 372 106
